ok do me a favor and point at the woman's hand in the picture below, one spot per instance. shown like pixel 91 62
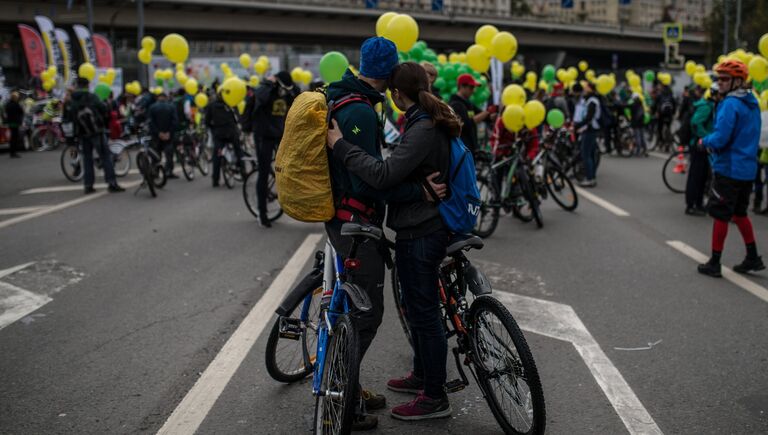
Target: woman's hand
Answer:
pixel 334 133
pixel 440 189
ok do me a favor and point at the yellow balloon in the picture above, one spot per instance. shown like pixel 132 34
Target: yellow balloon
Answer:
pixel 148 43
pixel 453 57
pixel 297 75
pixel 191 86
pixel 201 100
pixel 260 67
pixel 478 58
pixel 562 75
pixel 241 107
pixel 604 84
pixel 583 65
pixel 245 60
pixel 590 75
pixel 87 71
pixel 763 45
pixel 263 59
pixel 157 90
pixel 307 77
pixel 690 67
pixel 634 81
pixel 174 47
pixel 664 78
pixel 573 74
pixel 233 91
pixel 513 95
pixel 182 77
pixel 180 67
pixel 383 22
pixel 700 78
pixel 504 46
pixel 534 113
pixel 403 31
pixel 49 84
pixel 254 81
pixel 701 68
pixel 441 58
pixel 145 56
pixel 485 34
pixel 513 118
pixel 167 74
pixel 530 76
pixel 462 57
pixel 763 104
pixel 758 68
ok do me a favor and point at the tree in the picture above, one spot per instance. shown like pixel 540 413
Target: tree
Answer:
pixel 754 22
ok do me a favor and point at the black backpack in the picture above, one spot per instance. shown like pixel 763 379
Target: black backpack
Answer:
pixel 666 105
pixel 88 122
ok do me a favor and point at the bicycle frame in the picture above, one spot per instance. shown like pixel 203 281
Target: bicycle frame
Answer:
pixel 332 281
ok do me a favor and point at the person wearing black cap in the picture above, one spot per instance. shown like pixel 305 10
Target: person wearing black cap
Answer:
pixel 469 114
pixel 266 110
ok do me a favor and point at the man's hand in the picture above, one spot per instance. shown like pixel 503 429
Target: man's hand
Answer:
pixel 334 134
pixel 440 189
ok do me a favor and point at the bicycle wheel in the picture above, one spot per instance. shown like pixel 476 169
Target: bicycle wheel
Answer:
pixel 203 159
pixel 561 188
pixel 122 163
pixel 530 196
pixel 285 354
pixel 159 177
pixel 506 370
pixel 335 407
pixel 38 139
pixel 397 293
pixel 675 172
pixel 250 195
pixel 145 168
pixel 71 164
pixel 626 143
pixel 489 209
pixel 227 173
pixel 187 164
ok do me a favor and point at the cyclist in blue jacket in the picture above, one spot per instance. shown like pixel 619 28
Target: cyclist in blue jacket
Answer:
pixel 734 144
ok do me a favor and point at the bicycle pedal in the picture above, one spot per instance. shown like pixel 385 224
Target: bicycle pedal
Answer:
pixel 290 328
pixel 454 386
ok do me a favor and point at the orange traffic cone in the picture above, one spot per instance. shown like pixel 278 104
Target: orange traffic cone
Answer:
pixel 680 166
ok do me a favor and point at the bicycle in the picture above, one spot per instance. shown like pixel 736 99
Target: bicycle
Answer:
pixel 675 171
pixel 504 370
pixel 550 177
pixel 190 156
pixel 498 193
pixel 47 135
pixel 152 171
pixel 70 160
pixel 250 195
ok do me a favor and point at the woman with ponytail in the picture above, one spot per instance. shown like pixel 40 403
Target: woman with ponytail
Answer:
pixel 423 156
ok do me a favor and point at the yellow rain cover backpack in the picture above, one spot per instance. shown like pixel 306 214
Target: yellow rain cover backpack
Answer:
pixel 301 165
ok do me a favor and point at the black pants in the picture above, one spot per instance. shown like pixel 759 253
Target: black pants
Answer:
pixel 97 142
pixel 265 149
pixel 16 143
pixel 418 261
pixel 370 277
pixel 165 147
pixel 698 171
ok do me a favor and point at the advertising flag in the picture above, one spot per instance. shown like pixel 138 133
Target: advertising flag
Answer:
pixel 33 49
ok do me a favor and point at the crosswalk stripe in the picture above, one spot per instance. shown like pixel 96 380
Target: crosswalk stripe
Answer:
pixel 602 203
pixel 20 210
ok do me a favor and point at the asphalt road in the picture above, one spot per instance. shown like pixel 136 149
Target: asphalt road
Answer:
pixel 137 296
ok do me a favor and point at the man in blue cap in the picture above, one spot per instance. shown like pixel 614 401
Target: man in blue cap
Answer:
pixel 351 102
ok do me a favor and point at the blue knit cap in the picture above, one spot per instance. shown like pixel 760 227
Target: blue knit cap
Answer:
pixel 378 56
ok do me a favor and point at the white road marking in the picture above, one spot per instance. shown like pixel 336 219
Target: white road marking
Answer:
pixel 658 155
pixel 561 322
pixel 193 409
pixel 738 279
pixel 602 203
pixel 68 188
pixel 25 217
pixel 14 269
pixel 20 210
pixel 16 303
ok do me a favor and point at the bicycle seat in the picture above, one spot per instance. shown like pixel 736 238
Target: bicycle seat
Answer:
pixel 463 242
pixel 361 230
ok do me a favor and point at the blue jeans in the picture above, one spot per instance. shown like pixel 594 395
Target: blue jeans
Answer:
pixel 99 143
pixel 588 150
pixel 640 146
pixel 418 262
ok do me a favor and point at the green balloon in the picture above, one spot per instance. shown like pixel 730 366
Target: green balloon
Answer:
pixel 102 90
pixel 555 118
pixel 332 66
pixel 450 73
pixel 649 76
pixel 416 53
pixel 548 73
pixel 646 118
pixel 439 83
pixel 421 44
pixel 159 82
pixel 464 69
pixel 446 96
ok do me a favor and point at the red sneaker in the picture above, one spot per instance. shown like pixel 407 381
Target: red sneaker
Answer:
pixel 409 384
pixel 422 408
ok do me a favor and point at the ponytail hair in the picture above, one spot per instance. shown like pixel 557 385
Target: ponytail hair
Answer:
pixel 410 78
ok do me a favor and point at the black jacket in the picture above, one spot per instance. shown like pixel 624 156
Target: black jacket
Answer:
pixel 163 118
pixel 14 113
pixel 222 121
pixel 84 98
pixel 466 112
pixel 424 149
pixel 267 109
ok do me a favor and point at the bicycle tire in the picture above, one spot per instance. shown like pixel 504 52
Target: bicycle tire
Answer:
pixel 671 160
pixel 251 199
pixel 626 144
pixel 346 333
pixel 309 343
pixel 397 293
pixel 528 194
pixel 37 139
pixel 142 162
pixel 558 182
pixel 488 208
pixel 122 163
pixel 187 166
pixel 226 173
pixel 523 366
pixel 67 162
pixel 203 160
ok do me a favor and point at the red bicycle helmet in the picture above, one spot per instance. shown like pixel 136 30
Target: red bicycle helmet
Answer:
pixel 733 68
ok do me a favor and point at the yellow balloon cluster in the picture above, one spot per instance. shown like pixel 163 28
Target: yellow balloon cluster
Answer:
pixel 86 71
pixel 48 76
pixel 567 76
pixel 108 77
pixel 517 69
pixel 262 65
pixel 604 84
pixel 148 45
pixel 300 75
pixel 133 88
pixel 401 29
pixel 664 78
pixel 531 81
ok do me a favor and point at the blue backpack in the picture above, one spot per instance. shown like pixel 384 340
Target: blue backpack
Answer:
pixel 461 209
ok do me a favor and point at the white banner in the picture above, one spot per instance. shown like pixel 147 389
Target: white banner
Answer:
pixel 48 33
pixel 497 80
pixel 86 43
pixel 66 54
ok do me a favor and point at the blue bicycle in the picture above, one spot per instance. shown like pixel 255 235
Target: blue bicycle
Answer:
pixel 315 333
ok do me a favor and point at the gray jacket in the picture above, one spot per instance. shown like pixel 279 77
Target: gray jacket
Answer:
pixel 423 150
